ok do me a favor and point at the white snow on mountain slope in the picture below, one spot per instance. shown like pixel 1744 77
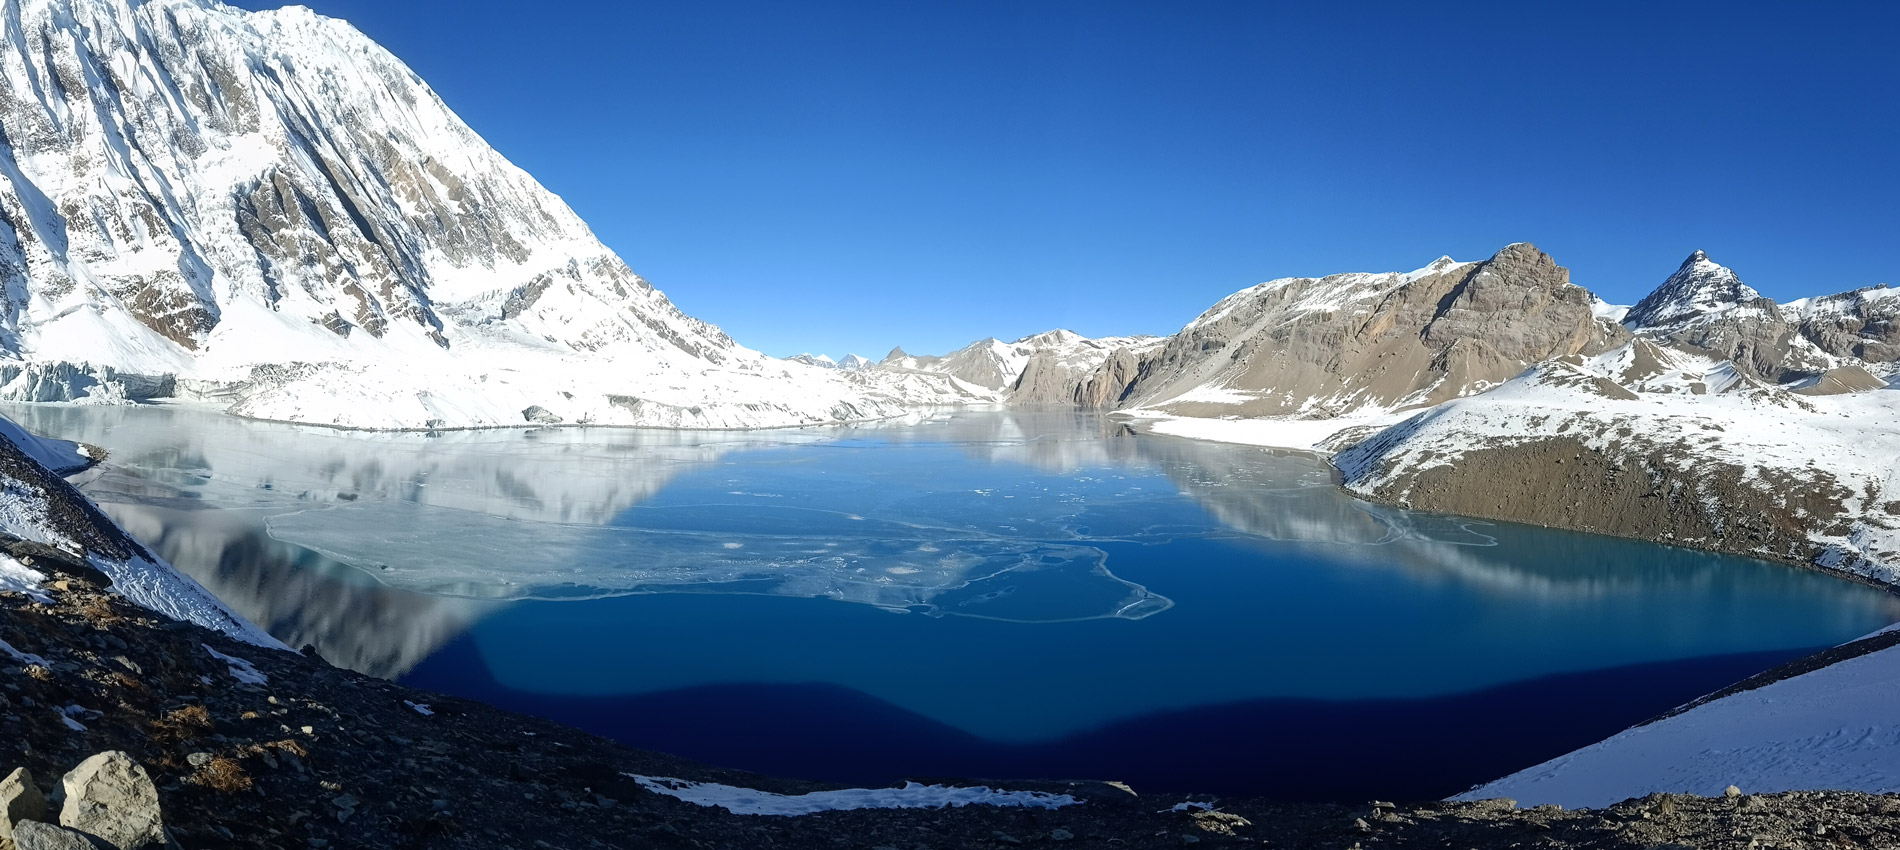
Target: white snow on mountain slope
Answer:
pixel 1833 728
pixel 36 505
pixel 1642 399
pixel 996 365
pixel 190 189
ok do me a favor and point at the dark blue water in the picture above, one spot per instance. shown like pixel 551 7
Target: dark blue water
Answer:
pixel 985 594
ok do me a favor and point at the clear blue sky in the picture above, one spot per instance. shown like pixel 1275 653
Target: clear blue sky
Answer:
pixel 839 177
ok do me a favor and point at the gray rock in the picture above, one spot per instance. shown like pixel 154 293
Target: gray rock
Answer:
pixel 541 415
pixel 112 797
pixel 1060 834
pixel 198 759
pixel 20 800
pixel 33 835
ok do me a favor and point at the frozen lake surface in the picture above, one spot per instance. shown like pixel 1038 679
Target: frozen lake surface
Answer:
pixel 983 593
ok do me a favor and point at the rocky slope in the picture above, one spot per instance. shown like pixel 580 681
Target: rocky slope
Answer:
pixel 268 210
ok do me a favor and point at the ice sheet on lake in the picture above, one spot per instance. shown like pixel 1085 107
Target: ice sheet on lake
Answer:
pixel 786 551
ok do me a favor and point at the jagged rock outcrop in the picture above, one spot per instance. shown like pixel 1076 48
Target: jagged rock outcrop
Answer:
pixel 1327 346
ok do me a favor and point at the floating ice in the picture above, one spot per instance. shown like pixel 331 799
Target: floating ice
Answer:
pixel 746 801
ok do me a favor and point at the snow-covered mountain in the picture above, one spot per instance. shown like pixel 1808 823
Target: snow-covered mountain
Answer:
pixel 850 363
pixel 998 366
pixel 1705 307
pixel 269 210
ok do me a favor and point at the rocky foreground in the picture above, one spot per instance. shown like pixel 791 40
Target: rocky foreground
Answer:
pixel 253 747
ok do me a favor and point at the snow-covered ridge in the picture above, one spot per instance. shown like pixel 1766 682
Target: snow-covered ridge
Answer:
pixel 268 210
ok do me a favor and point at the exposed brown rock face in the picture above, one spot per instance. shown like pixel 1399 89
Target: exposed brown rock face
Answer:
pixel 1325 346
pixel 1647 491
pixel 1108 386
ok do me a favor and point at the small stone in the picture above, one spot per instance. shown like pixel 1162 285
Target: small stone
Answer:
pixel 346 801
pixel 1006 838
pixel 309 730
pixel 20 800
pixel 604 801
pixel 1060 834
pixel 1732 792
pixel 198 759
pixel 318 842
pixel 1190 839
pixel 33 835
pixel 111 796
pixel 1361 825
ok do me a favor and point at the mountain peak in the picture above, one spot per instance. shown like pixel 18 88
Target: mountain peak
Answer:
pixel 1699 287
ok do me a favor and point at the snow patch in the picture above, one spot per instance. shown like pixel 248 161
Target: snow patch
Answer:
pixel 1828 729
pixel 240 669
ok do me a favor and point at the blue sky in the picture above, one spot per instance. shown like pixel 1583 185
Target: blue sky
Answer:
pixel 845 177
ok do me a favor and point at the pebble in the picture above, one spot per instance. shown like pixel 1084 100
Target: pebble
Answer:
pixel 1006 838
pixel 1060 834
pixel 198 759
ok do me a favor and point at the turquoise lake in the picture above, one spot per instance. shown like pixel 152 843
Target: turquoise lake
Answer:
pixel 975 593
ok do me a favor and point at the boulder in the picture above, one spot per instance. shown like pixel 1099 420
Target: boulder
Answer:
pixel 112 797
pixel 20 800
pixel 33 835
pixel 541 415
